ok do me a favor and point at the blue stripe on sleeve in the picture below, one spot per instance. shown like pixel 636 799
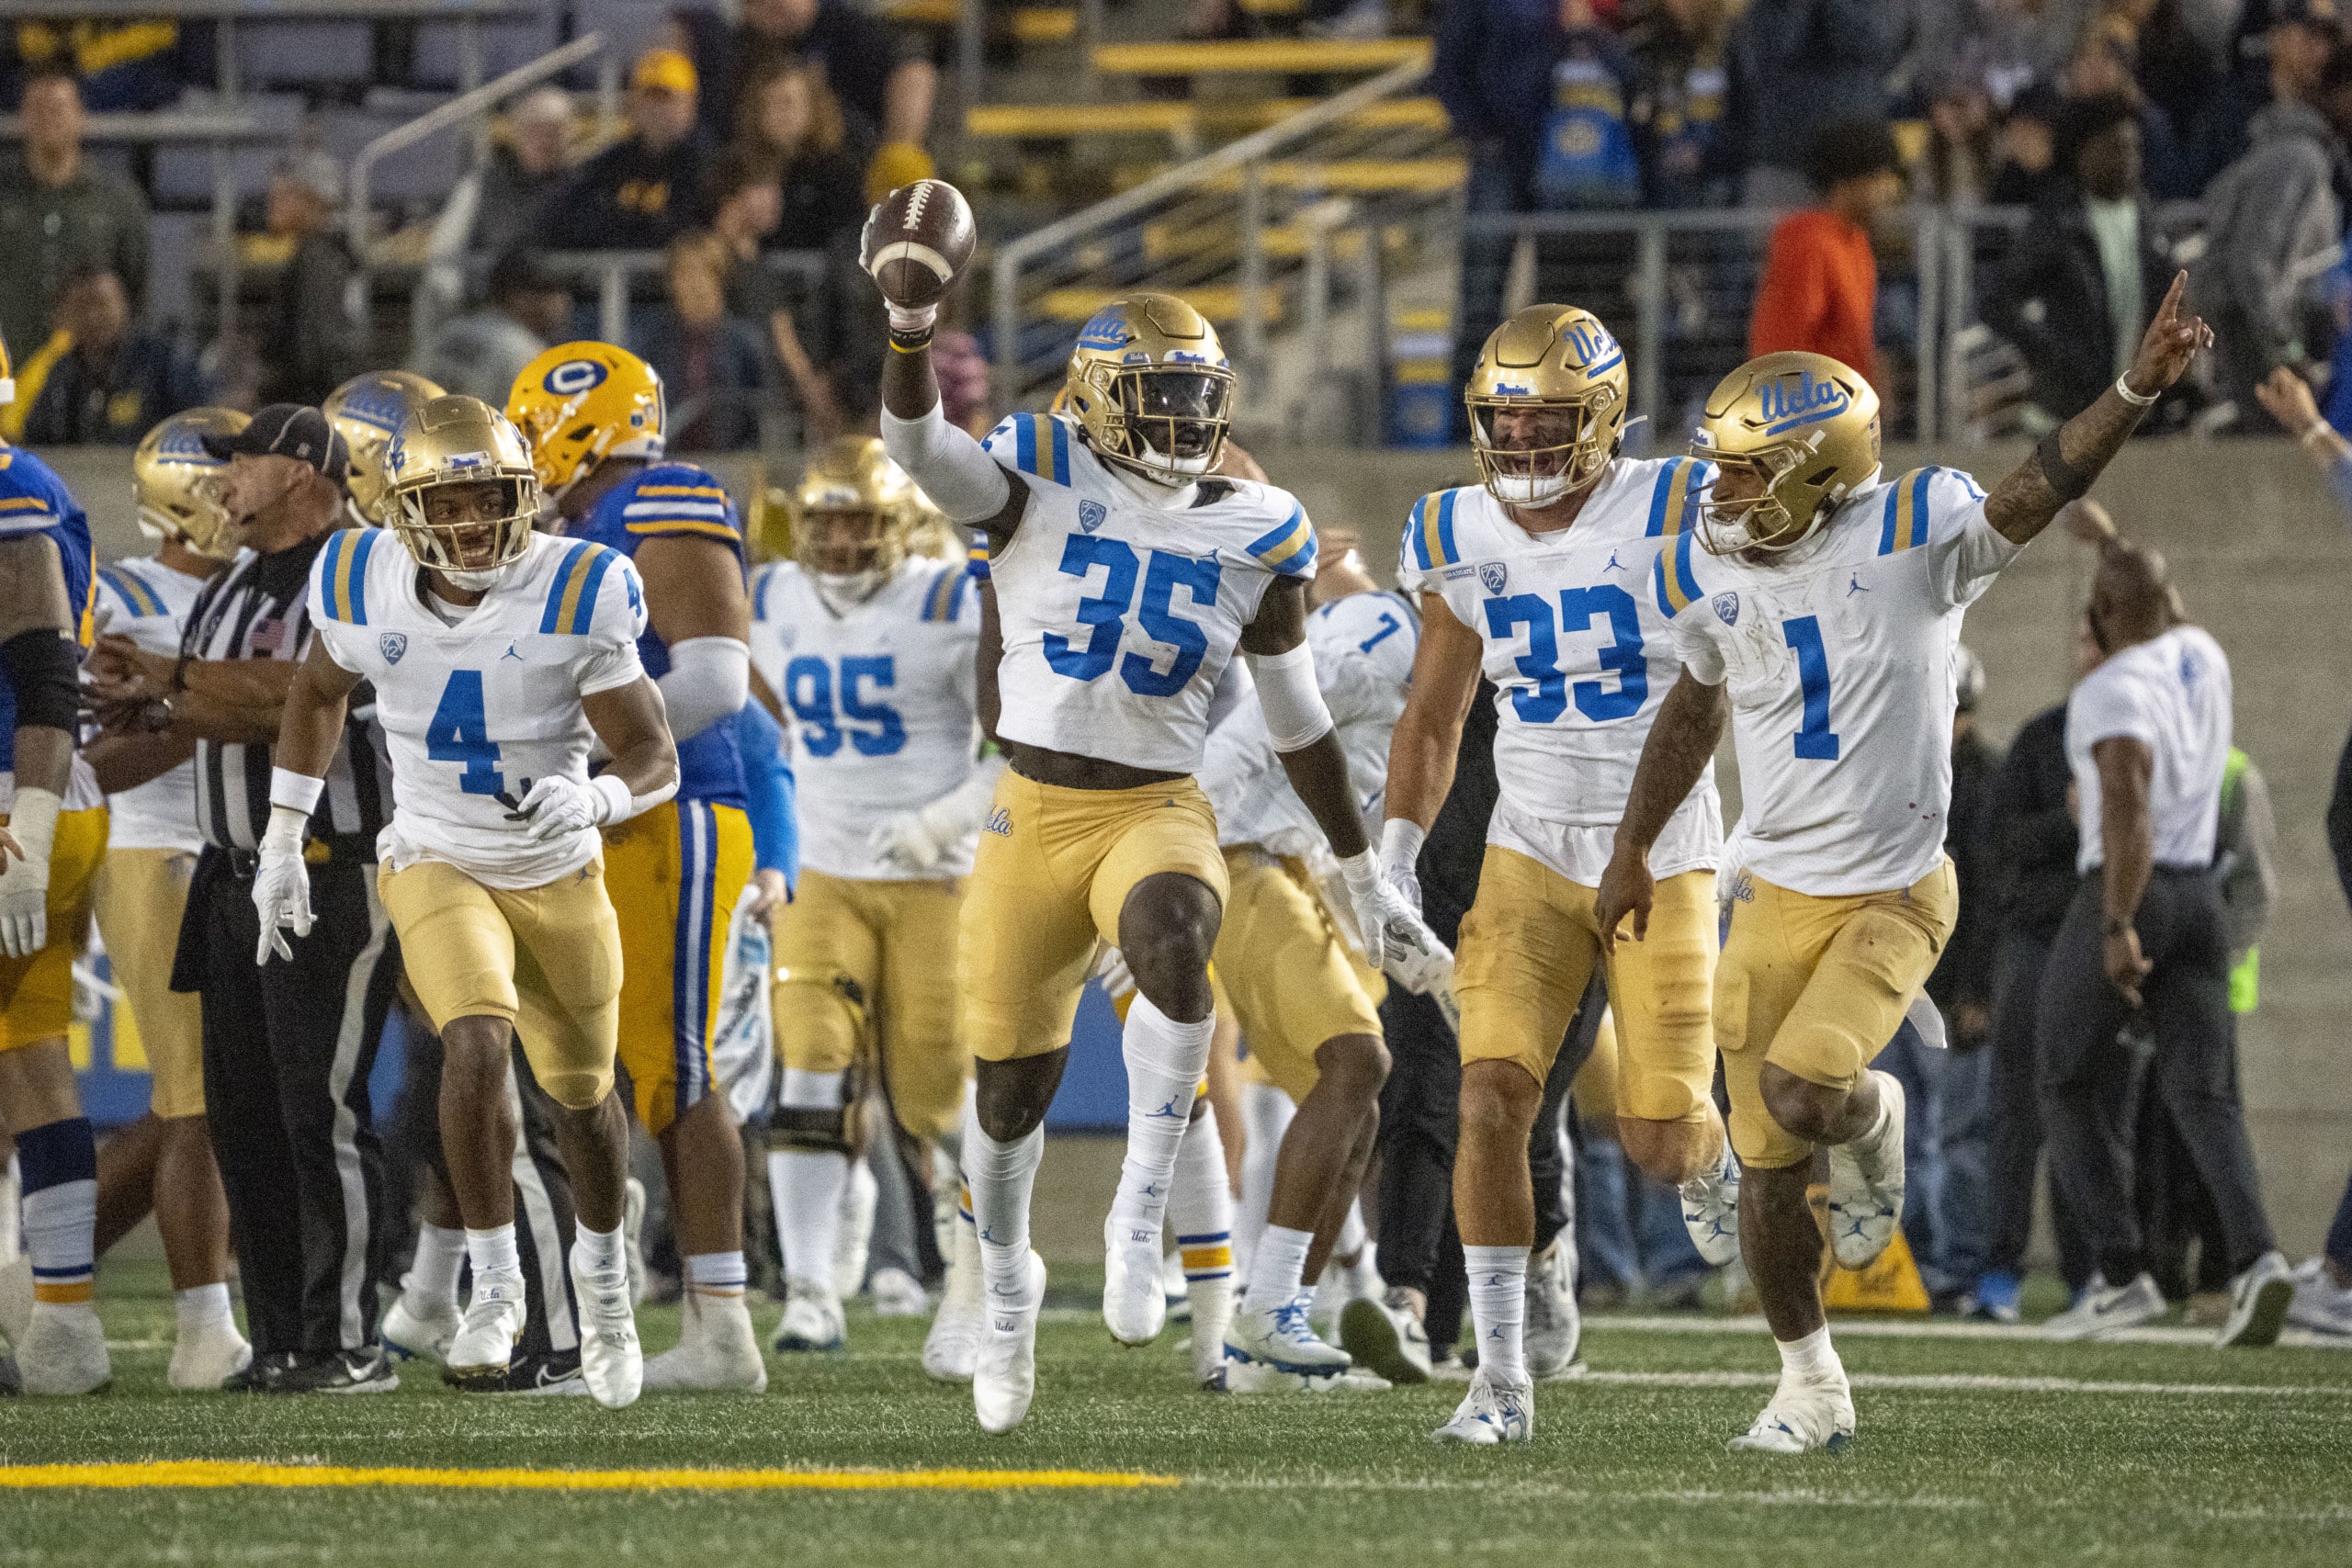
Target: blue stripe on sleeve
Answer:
pixel 584 613
pixel 1659 492
pixel 360 548
pixel 1445 528
pixel 555 588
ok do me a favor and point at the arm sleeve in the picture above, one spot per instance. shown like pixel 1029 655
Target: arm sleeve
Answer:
pixel 709 679
pixel 953 469
pixel 768 792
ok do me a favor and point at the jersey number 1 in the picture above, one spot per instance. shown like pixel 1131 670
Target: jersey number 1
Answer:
pixel 460 733
pixel 1817 742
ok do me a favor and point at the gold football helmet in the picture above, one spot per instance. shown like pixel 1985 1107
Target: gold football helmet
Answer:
pixel 1795 433
pixel 579 404
pixel 461 441
pixel 177 483
pixel 1151 387
pixel 369 411
pixel 1547 404
pixel 851 514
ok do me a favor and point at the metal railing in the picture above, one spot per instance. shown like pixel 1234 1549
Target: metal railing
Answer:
pixel 617 278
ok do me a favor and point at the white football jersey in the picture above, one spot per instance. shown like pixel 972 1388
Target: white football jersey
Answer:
pixel 473 714
pixel 2173 694
pixel 882 701
pixel 148 603
pixel 1118 616
pixel 1363 661
pixel 1841 656
pixel 1580 655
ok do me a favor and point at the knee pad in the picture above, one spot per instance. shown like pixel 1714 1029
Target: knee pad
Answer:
pixel 822 1023
pixel 814 1131
pixel 575 1089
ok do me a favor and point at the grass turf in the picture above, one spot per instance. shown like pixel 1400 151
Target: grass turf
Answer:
pixel 1619 1472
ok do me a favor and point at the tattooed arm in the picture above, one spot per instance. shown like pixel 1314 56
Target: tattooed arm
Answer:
pixel 1689 723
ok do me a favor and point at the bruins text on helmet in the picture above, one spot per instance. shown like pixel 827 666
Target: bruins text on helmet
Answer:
pixel 1791 434
pixel 461 490
pixel 1150 384
pixel 369 411
pixel 579 404
pixel 1547 404
pixel 177 483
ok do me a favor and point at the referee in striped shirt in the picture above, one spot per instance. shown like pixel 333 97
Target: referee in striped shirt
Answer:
pixel 287 1047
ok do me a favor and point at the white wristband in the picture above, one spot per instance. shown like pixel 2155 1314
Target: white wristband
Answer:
pixel 32 822
pixel 1400 840
pixel 286 828
pixel 2138 401
pixel 910 318
pixel 1359 870
pixel 2318 430
pixel 618 804
pixel 298 790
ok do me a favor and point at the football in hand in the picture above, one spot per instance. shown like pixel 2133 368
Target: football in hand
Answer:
pixel 916 241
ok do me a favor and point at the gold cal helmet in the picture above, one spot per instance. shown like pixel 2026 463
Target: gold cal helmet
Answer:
pixel 1547 404
pixel 1152 386
pixel 579 404
pixel 369 411
pixel 1805 427
pixel 177 483
pixel 458 440
pixel 852 512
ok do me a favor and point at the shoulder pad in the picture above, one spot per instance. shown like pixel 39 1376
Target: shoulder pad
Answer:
pixel 132 590
pixel 1209 491
pixel 1672 580
pixel 1034 444
pixel 570 606
pixel 944 600
pixel 1674 498
pixel 1909 511
pixel 1428 532
pixel 339 574
pixel 1287 550
pixel 31 495
pixel 679 498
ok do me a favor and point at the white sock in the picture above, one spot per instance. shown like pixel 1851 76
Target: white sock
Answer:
pixel 805 1186
pixel 60 1225
pixel 1869 1137
pixel 1200 1210
pixel 1000 1177
pixel 201 1306
pixel 1276 1267
pixel 1353 1237
pixel 1266 1113
pixel 717 1274
pixel 1498 1308
pixel 433 1272
pixel 599 1254
pixel 1165 1060
pixel 1811 1358
pixel 493 1251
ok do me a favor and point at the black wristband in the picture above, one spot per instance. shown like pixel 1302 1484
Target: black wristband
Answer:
pixel 2070 482
pixel 2116 927
pixel 40 671
pixel 909 342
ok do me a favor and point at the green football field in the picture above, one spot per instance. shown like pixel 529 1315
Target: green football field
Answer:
pixel 1989 1451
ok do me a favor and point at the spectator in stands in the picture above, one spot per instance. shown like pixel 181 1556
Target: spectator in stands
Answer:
pixel 637 194
pixel 745 205
pixel 1819 290
pixel 2025 171
pixel 309 345
pixel 525 171
pixel 2270 217
pixel 1680 95
pixel 480 355
pixel 99 381
pixel 790 117
pixel 1962 140
pixel 2177 71
pixel 2089 270
pixel 2102 68
pixel 880 73
pixel 1798 66
pixel 713 365
pixel 123 63
pixel 2281 46
pixel 59 211
pixel 2007 45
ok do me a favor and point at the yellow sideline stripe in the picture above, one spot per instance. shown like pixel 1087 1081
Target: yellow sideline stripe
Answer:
pixel 249 1473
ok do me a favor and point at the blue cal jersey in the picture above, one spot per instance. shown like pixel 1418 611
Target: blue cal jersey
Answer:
pixel 659 500
pixel 33 500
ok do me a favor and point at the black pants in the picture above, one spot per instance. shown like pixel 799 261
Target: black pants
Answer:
pixel 2016 1114
pixel 2088 1074
pixel 288 1048
pixel 543 1213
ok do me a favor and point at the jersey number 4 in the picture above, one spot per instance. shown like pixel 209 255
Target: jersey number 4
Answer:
pixel 1106 613
pixel 808 690
pixel 1547 699
pixel 460 733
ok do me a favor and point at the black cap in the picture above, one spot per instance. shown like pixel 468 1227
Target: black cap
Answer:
pixel 287 430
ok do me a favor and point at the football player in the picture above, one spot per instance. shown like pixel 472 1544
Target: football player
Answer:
pixel 367 411
pixel 593 416
pixel 870 647
pixel 1537 579
pixel 142 894
pixel 1818 604
pixel 1125 576
pixel 57 836
pixel 496 656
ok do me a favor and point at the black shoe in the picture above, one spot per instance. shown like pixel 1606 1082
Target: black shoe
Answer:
pixel 541 1372
pixel 261 1374
pixel 338 1372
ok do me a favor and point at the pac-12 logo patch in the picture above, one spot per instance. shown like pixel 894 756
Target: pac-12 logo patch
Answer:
pixel 393 644
pixel 573 377
pixel 1092 514
pixel 1727 608
pixel 1494 574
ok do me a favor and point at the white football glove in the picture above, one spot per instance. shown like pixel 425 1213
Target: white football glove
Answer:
pixel 1396 940
pixel 1111 968
pixel 24 879
pixel 1400 853
pixel 281 886
pixel 910 840
pixel 556 805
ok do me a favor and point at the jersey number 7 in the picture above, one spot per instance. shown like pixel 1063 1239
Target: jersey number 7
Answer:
pixel 1106 613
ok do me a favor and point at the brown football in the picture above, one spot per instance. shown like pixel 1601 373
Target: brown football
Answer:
pixel 916 242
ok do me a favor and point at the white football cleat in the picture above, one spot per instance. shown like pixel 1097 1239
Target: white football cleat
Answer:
pixel 612 1363
pixel 1383 1336
pixel 1134 1305
pixel 719 1352
pixel 854 1239
pixel 1866 1185
pixel 2106 1309
pixel 1342 1283
pixel 1802 1416
pixel 2319 1302
pixel 633 1201
pixel 2258 1303
pixel 1553 1328
pixel 1710 1210
pixel 897 1294
pixel 812 1320
pixel 487 1335
pixel 203 1359
pixel 417 1325
pixel 1492 1412
pixel 1004 1373
pixel 1280 1340
pixel 62 1350
pixel 1210 1305
pixel 952 1346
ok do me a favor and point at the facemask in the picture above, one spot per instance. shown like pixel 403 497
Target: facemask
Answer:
pixel 843 591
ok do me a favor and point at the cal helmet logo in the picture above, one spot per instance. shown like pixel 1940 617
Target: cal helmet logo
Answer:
pixel 1092 514
pixel 573 377
pixel 1727 608
pixel 1494 574
pixel 1785 403
pixel 393 645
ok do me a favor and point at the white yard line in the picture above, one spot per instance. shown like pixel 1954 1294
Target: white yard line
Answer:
pixel 1962 1382
pixel 1944 1329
